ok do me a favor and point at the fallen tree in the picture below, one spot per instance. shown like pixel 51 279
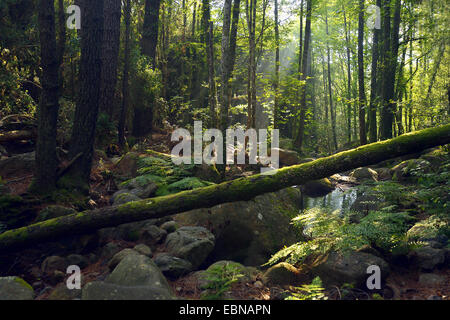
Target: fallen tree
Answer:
pixel 16 135
pixel 235 190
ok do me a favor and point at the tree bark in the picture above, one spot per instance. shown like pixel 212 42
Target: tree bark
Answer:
pixel 150 29
pixel 361 89
pixel 303 107
pixel 235 190
pixel 374 97
pixel 86 112
pixel 45 177
pixel 125 76
pixel 277 69
pixel 110 56
pixel 330 92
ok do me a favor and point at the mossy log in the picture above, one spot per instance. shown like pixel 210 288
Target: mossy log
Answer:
pixel 235 190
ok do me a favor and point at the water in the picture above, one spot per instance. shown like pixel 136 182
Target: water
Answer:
pixel 338 199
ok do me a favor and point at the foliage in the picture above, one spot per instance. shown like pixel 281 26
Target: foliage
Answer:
pixel 313 291
pixel 219 280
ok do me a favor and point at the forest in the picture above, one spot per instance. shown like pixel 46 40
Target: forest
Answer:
pixel 224 150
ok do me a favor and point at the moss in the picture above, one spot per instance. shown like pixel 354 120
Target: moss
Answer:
pixel 23 283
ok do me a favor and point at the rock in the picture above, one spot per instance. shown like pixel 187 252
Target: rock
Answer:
pixel 207 172
pixel 78 260
pixel 350 267
pixel 172 267
pixel 51 212
pixel 127 165
pixel 364 173
pixel 427 258
pixel 433 297
pixel 249 232
pixel 431 279
pixel 317 188
pixel 384 174
pixel 281 274
pixel 137 269
pixel 23 163
pixel 98 290
pixel 193 244
pixel 288 157
pixel 248 273
pixel 61 292
pixel 15 288
pixel 407 168
pixel 430 229
pixel 52 263
pixel 119 256
pixel 142 192
pixel 125 198
pixel 152 235
pixel 109 250
pixel 169 226
pixel 143 249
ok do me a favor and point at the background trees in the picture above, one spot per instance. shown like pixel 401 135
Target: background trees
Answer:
pixel 316 70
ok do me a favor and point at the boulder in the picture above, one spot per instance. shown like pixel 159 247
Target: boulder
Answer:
pixel 98 290
pixel 288 157
pixel 364 173
pixel 125 198
pixel 281 274
pixel 119 256
pixel 61 292
pixel 431 279
pixel 406 169
pixel 127 165
pixel 249 232
pixel 193 244
pixel 54 211
pixel 427 258
pixel 15 288
pixel 384 174
pixel 169 226
pixel 143 249
pixel 317 188
pixel 151 235
pixel 78 260
pixel 349 267
pixel 430 229
pixel 136 277
pixel 52 263
pixel 20 163
pixel 172 267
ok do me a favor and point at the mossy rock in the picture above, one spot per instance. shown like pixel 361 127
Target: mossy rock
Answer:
pixel 15 288
pixel 54 211
pixel 317 188
pixel 429 229
pixel 408 168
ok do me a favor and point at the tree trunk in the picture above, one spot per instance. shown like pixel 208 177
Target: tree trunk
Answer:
pixel 86 112
pixel 150 29
pixel 301 130
pixel 361 88
pixel 277 69
pixel 110 56
pixel 46 161
pixel 330 92
pixel 374 98
pixel 61 41
pixel 125 76
pixel 349 81
pixel 234 190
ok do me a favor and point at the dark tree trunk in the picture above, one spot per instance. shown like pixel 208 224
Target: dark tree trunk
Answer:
pixel 46 161
pixel 61 40
pixel 110 56
pixel 349 81
pixel 86 112
pixel 361 88
pixel 150 29
pixel 125 76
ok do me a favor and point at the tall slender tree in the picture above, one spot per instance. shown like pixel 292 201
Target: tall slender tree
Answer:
pixel 45 177
pixel 361 88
